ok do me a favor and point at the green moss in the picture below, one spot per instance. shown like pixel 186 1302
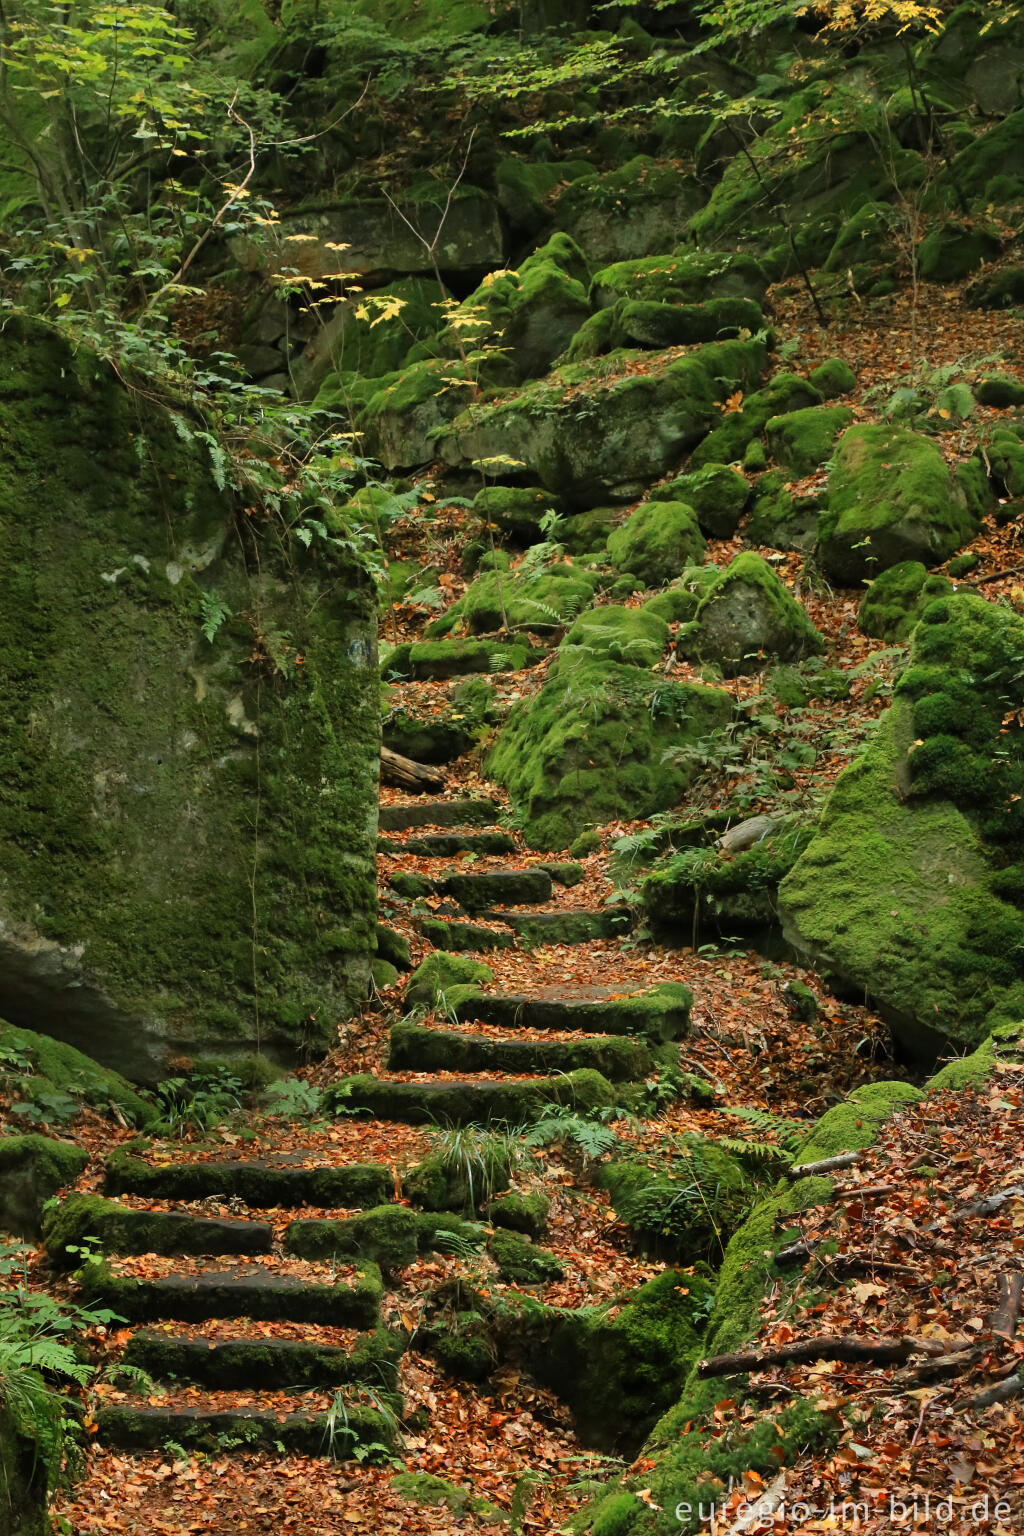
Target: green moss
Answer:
pixel 455 936
pixel 424 1488
pixel 729 441
pixel 519 1260
pixel 747 616
pixel 688 1212
pixel 540 599
pixel 149 957
pixel 458 1103
pixel 802 440
pixel 999 391
pixel 589 746
pixel 898 893
pixel 716 493
pixel 657 541
pixel 563 872
pixel 256 1183
pixel 67 1070
pixel 438 973
pixel 352 1304
pixel 954 250
pixel 520 1213
pixel 393 947
pixel 632 635
pixel 409 886
pixel 515 510
pixel 833 377
pixel 586 844
pixel 890 499
pixel 121 1229
pixel 736 893
pixel 678 603
pixel 32 1170
pixel 684 276
pixel 388 1236
pixel 457 658
pixel 892 604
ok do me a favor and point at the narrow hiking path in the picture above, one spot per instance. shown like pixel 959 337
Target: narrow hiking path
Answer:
pixel 366 1281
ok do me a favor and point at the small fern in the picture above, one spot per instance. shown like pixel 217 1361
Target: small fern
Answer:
pixel 788 1136
pixel 588 1136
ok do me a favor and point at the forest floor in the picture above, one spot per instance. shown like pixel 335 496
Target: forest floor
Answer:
pixel 904 1435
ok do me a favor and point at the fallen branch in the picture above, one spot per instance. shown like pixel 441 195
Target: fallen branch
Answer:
pixel 827 1165
pixel 1002 1392
pixel 1011 570
pixel 842 1346
pixel 1007 1309
pixel 862 1191
pixel 986 1207
pixel 396 769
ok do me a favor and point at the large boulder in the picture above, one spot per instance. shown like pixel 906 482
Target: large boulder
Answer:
pixel 910 892
pixel 189 732
pixel 892 604
pixel 747 617
pixel 640 207
pixel 891 498
pixel 603 431
pixel 589 747
pixel 657 542
pixel 520 600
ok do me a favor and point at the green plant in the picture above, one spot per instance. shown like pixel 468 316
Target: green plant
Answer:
pixel 481 1159
pixel 197 1103
pixel 589 1137
pixel 778 1139
pixel 293 1099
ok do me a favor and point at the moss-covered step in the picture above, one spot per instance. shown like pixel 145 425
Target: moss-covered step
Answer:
pixel 235 1290
pixel 440 659
pixel 418 1048
pixel 437 813
pixel 660 1014
pixel 269 1363
pixel 32 1170
pixel 464 1101
pixel 120 1229
pixel 448 845
pixel 297 1434
pixel 566 925
pixel 388 1236
pixel 496 887
pixel 465 936
pixel 258 1184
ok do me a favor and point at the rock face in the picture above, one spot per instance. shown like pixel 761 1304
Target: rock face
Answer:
pixel 890 498
pixel 909 891
pixel 747 617
pixel 186 823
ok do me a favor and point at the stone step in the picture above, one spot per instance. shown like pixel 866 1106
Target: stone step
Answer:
pixel 244 1429
pixel 437 813
pixel 661 1013
pixel 259 1184
pixel 119 1229
pixel 477 892
pixel 464 936
pixel 236 1291
pixel 269 1363
pixel 467 1101
pixel 568 926
pixel 448 845
pixel 417 1048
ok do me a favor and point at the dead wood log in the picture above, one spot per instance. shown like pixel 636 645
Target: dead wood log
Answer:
pixel 986 1207
pixel 403 772
pixel 850 1347
pixel 747 833
pixel 1007 1309
pixel 827 1165
pixel 1003 1392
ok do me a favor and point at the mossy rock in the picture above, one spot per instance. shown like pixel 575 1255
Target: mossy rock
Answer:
pixel 891 498
pixel 58 1068
pixel 893 602
pixel 1005 452
pixel 565 872
pixel 520 1213
pixel 590 746
pixel 542 600
pixel 801 441
pixel 596 431
pixel 998 290
pixel 729 441
pixel 656 325
pixel 747 617
pixel 780 519
pixel 629 211
pixel 716 493
pixel 631 635
pixel 476 1101
pixel 388 1236
pixel 520 1261
pixel 585 844
pixel 684 1213
pixel 438 973
pixel 457 658
pixel 678 603
pixel 393 947
pixel 432 1492
pixel 526 189
pixel 683 276
pixel 900 892
pixel 999 391
pixel 736 894
pixel 135 958
pixel 833 377
pixel 954 250
pixel 122 1229
pixel 657 541
pixel 515 510
pixel 32 1169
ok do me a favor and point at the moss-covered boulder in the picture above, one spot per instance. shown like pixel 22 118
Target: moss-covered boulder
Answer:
pixel 892 604
pixel 140 915
pixel 833 377
pixel 520 1261
pixel 802 440
pixel 32 1170
pixel 748 617
pixel 683 276
pixel 891 498
pixel 593 432
pixel 953 250
pixel 520 1213
pixel 590 746
pixel 682 1209
pixel 527 599
pixel 632 635
pixel 657 542
pixel 364 339
pixel 678 603
pixel 730 440
pixel 630 211
pixel 438 973
pixel 912 890
pixel 781 518
pixel 699 888
pixel 716 493
pixel 515 510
